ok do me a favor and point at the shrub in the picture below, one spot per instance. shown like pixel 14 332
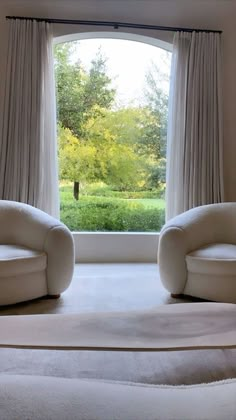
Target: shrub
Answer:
pixel 103 190
pixel 106 191
pixel 104 214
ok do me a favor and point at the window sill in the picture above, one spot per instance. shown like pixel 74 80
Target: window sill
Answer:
pixel 113 247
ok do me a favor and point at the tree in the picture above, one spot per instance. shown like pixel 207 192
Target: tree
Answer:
pixel 124 148
pixel 81 97
pixel 156 174
pixel 77 159
pixel 107 155
pixel 140 130
pixel 156 97
pixel 80 94
pixel 98 94
pixel 116 134
pixel 154 139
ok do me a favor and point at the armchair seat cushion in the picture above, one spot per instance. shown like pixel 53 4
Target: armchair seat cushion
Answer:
pixel 16 260
pixel 215 259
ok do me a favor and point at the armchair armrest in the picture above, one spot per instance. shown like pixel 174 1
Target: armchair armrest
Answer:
pixel 59 247
pixel 171 257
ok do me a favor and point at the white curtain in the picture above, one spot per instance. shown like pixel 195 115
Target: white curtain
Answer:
pixel 28 151
pixel 194 140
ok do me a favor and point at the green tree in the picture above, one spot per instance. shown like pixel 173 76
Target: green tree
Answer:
pixel 154 139
pixel 81 97
pixel 108 155
pixel 156 97
pixel 116 134
pixel 124 148
pixel 77 159
pixel 140 129
pixel 80 94
pixel 98 94
pixel 156 174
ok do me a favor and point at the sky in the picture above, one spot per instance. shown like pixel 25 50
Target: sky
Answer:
pixel 127 63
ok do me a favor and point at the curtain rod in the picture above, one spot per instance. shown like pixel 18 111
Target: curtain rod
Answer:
pixel 115 25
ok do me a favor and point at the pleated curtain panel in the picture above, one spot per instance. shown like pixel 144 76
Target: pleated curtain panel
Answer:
pixel 194 139
pixel 28 151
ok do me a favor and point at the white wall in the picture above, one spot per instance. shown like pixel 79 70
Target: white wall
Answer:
pixel 206 14
pixel 115 247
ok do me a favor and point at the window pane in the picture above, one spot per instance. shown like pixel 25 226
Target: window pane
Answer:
pixel 112 122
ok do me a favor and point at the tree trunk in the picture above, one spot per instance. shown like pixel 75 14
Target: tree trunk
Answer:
pixel 76 190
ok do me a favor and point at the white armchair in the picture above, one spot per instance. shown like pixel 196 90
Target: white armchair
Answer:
pixel 36 254
pixel 197 253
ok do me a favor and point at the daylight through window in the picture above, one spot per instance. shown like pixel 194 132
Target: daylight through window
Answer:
pixel 112 102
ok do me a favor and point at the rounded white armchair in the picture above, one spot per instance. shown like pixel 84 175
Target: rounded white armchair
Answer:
pixel 197 253
pixel 36 254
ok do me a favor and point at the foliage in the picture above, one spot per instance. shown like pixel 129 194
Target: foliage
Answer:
pixel 80 94
pixel 114 133
pixel 103 190
pixel 157 100
pixel 77 159
pixel 124 149
pixel 157 174
pixel 93 143
pixel 111 215
pixel 103 157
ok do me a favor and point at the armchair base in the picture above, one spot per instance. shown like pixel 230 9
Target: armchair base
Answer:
pixel 53 296
pixel 176 295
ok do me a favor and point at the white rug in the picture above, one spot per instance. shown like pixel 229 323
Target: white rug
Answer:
pixel 37 398
pixel 170 327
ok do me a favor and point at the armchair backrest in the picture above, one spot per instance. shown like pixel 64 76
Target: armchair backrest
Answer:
pixel 213 223
pixel 24 225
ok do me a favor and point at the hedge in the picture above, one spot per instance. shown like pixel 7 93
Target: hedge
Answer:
pixel 107 214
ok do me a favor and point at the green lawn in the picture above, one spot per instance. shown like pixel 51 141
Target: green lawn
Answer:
pixel 108 210
pixel 149 202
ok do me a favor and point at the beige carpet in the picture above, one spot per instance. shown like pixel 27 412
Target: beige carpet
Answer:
pixel 174 327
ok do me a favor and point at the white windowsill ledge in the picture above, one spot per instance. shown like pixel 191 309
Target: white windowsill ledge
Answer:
pixel 113 247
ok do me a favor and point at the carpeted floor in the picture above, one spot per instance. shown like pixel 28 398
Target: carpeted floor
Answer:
pixel 111 287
